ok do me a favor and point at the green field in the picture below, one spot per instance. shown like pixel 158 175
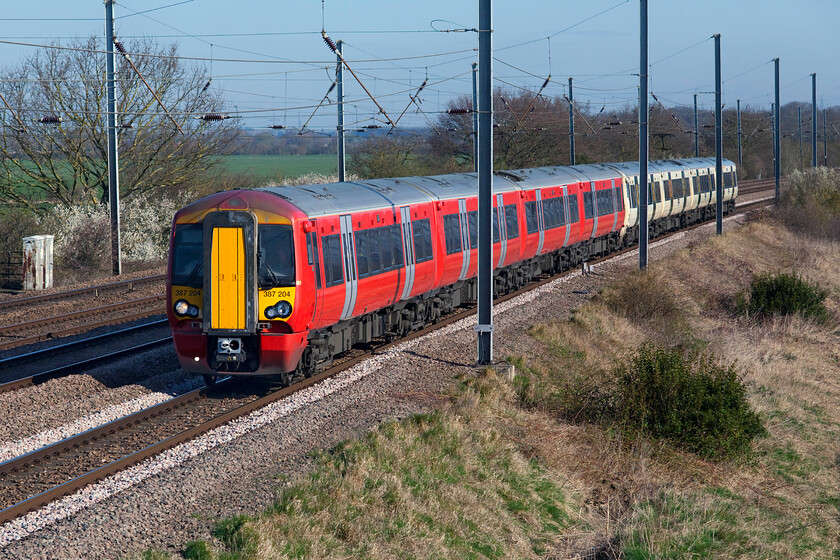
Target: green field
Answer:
pixel 274 167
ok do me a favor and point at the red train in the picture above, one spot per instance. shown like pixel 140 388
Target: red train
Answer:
pixel 279 280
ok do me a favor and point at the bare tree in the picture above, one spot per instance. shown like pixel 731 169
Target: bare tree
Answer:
pixel 66 162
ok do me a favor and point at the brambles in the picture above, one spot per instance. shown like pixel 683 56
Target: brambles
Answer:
pixel 688 399
pixel 782 294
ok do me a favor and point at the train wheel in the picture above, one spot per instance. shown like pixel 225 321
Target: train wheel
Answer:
pixel 209 380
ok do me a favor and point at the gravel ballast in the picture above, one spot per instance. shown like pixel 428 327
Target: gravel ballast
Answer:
pixel 177 496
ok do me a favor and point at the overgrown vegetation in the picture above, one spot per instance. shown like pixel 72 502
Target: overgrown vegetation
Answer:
pixel 772 294
pixel 811 202
pixel 691 400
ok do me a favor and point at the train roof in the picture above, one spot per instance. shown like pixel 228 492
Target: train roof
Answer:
pixel 333 198
pixel 360 196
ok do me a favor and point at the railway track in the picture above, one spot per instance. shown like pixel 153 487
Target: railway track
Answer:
pixel 39 330
pixel 40 366
pixel 31 481
pixel 94 291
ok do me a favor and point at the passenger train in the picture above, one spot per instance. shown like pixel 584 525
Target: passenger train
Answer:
pixel 279 280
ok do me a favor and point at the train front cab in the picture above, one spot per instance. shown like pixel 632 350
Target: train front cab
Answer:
pixel 234 293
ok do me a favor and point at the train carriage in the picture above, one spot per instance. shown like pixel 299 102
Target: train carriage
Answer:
pixel 279 280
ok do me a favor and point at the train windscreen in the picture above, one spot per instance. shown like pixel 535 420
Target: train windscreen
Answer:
pixel 275 257
pixel 187 251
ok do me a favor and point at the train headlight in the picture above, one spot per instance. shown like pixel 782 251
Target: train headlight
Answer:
pixel 182 307
pixel 281 309
pixel 284 309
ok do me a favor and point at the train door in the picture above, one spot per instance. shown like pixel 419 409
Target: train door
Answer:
pixel 351 284
pixel 540 221
pixel 313 252
pixel 465 237
pixel 408 245
pixel 616 198
pixel 502 222
pixel 567 215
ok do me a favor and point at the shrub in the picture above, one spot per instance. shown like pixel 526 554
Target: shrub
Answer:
pixel 688 399
pixel 782 294
pixel 811 203
pixel 83 232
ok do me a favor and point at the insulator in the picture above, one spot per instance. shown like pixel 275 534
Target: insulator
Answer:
pixel 213 117
pixel 458 111
pixel 614 123
pixel 451 130
pixel 126 125
pixel 332 87
pixel 276 126
pixel 545 83
pixel 426 81
pixel 360 130
pixel 50 119
pixel 207 85
pixel 606 128
pixel 370 126
pixel 329 41
pixel 120 47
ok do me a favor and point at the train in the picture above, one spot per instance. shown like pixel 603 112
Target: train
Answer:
pixel 279 280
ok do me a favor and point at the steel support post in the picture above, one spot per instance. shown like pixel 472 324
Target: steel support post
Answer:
pixel 339 81
pixel 778 129
pixel 475 115
pixel 740 158
pixel 813 120
pixel 696 130
pixel 643 135
pixel 571 124
pixel 718 142
pixel 113 158
pixel 485 184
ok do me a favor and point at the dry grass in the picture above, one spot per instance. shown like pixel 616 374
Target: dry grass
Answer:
pixel 783 502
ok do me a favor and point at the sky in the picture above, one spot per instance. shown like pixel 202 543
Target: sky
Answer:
pixel 269 60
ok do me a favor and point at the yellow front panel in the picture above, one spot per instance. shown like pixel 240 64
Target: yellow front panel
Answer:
pixel 227 264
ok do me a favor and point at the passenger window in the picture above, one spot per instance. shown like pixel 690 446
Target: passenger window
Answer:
pixel 312 256
pixel 397 245
pixel 511 221
pixel 531 222
pixel 422 240
pixel 588 210
pixel 472 217
pixel 333 270
pixel 574 213
pixel 452 233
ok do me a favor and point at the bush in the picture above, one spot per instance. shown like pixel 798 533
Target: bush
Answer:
pixel 688 399
pixel 782 294
pixel 83 232
pixel 811 203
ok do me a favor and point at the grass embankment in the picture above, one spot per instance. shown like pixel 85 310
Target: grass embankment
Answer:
pixel 554 465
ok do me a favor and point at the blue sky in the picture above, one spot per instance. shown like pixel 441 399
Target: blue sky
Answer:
pixel 392 46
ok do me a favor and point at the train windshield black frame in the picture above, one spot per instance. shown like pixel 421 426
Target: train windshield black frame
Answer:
pixel 275 256
pixel 188 255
